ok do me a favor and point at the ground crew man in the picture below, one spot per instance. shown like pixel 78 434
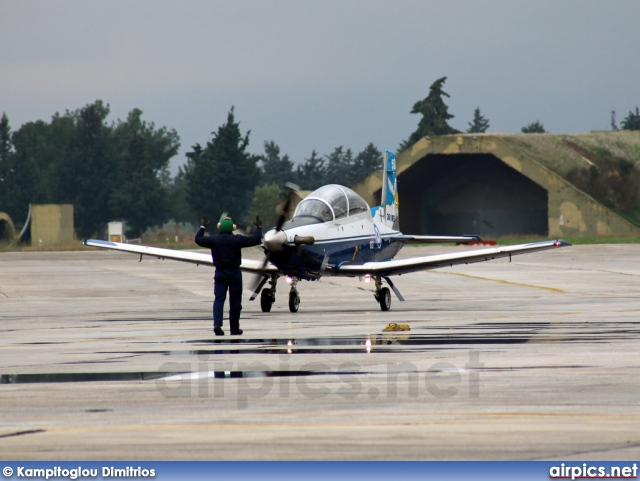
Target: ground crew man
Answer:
pixel 226 252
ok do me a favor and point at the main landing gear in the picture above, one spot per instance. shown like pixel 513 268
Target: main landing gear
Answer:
pixel 382 295
pixel 268 295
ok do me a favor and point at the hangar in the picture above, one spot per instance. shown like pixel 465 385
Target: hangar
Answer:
pixel 7 229
pixel 495 185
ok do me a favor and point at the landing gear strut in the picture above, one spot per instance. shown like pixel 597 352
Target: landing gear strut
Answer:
pixel 268 295
pixel 294 297
pixel 382 295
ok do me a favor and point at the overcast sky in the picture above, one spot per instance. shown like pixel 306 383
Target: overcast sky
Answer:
pixel 321 74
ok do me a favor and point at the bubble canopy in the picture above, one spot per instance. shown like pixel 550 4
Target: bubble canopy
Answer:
pixel 331 202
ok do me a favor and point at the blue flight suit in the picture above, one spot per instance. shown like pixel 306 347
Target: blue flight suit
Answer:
pixel 226 252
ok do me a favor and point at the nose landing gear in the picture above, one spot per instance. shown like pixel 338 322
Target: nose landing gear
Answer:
pixel 294 297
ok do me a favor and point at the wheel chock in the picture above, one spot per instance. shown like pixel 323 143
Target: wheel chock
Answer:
pixel 396 327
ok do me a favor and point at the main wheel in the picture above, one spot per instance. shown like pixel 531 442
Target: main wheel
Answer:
pixel 266 300
pixel 294 301
pixel 385 299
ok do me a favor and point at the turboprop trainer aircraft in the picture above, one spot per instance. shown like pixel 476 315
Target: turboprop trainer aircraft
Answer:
pixel 334 232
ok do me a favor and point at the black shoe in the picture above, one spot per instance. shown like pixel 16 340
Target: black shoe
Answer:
pixel 218 331
pixel 237 332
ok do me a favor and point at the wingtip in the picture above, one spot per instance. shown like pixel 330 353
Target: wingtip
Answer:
pixel 562 243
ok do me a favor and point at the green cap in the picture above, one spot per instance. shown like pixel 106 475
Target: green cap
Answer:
pixel 226 225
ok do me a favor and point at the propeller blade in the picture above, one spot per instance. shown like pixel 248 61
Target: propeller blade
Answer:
pixel 285 205
pixel 276 241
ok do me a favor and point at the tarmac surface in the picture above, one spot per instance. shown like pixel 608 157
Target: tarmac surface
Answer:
pixel 104 357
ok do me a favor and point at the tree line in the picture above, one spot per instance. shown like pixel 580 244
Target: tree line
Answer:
pixel 107 171
pixel 120 170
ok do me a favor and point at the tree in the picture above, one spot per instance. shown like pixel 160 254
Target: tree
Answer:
pixel 142 159
pixel 265 200
pixel 339 167
pixel 23 181
pixel 534 128
pixel 366 162
pixel 5 140
pixel 86 175
pixel 222 176
pixel 479 124
pixel 275 169
pixel 179 209
pixel 631 121
pixel 6 161
pixel 435 115
pixel 311 174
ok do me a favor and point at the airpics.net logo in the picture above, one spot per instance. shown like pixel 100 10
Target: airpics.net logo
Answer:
pixel 247 381
pixel 591 471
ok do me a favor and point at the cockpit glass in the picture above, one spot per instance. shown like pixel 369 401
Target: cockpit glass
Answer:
pixel 356 203
pixel 314 208
pixel 331 201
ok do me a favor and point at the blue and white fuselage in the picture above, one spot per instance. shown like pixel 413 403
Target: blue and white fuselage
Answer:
pixel 344 230
pixel 352 239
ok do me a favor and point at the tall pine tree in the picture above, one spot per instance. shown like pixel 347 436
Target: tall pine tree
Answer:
pixel 435 115
pixel 479 124
pixel 311 174
pixel 222 176
pixel 276 169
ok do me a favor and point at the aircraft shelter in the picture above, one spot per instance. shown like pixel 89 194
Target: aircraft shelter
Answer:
pixel 495 185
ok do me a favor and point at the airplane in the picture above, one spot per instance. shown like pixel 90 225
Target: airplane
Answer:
pixel 334 232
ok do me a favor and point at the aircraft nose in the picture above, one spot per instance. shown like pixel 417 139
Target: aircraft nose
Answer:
pixel 275 240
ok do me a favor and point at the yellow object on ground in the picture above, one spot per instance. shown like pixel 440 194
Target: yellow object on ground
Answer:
pixel 397 327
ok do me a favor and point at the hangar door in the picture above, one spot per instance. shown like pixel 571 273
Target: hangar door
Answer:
pixel 452 194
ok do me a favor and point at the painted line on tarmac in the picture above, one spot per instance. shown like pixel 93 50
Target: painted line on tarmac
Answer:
pixel 500 281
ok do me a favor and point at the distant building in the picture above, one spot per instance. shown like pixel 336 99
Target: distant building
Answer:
pixel 51 224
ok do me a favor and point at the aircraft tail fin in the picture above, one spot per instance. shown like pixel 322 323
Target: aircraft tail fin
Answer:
pixel 387 212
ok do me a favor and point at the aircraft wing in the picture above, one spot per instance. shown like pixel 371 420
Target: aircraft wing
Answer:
pixel 405 266
pixel 197 258
pixel 435 239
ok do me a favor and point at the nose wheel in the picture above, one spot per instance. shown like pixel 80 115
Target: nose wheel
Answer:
pixel 294 297
pixel 294 301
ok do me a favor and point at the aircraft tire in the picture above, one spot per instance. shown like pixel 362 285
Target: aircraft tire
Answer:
pixel 294 301
pixel 266 301
pixel 385 299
